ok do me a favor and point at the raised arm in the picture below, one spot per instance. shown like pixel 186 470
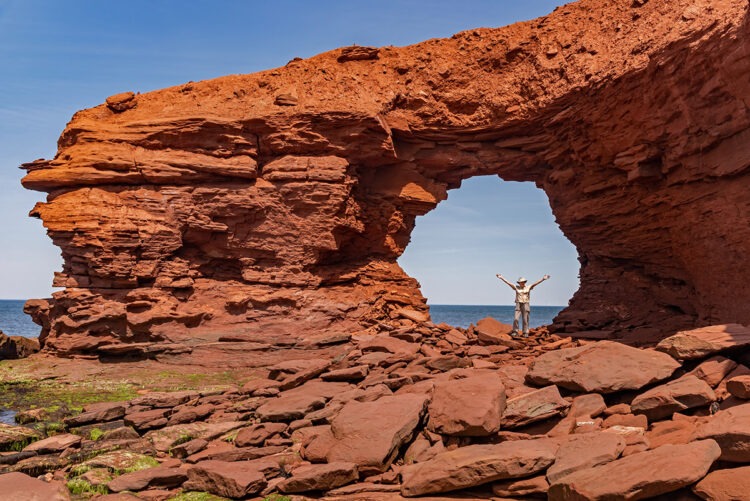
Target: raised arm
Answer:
pixel 545 277
pixel 503 279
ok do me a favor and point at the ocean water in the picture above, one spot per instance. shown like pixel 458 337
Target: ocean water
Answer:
pixel 7 416
pixel 14 322
pixel 463 315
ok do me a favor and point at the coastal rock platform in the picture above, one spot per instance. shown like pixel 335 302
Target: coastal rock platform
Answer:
pixel 387 430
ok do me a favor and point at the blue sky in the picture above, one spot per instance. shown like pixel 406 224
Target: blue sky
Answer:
pixel 58 57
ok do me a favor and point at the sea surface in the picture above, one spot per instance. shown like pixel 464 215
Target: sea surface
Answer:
pixel 463 315
pixel 14 322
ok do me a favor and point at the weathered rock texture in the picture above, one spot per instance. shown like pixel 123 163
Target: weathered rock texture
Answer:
pixel 249 202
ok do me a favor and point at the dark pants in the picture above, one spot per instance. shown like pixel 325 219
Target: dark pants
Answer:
pixel 522 312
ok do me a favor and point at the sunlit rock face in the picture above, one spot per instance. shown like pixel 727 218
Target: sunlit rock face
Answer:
pixel 279 202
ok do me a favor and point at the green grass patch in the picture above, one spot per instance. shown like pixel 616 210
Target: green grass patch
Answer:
pixel 79 486
pixel 79 469
pixel 96 434
pixel 19 445
pixel 62 397
pixel 143 463
pixel 231 436
pixel 277 497
pixel 196 496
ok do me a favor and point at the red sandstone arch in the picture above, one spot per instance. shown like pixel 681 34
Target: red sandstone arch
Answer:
pixel 279 201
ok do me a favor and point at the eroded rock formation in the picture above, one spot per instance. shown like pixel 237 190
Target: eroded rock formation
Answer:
pixel 280 201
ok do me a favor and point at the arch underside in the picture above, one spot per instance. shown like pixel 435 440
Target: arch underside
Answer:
pixel 278 202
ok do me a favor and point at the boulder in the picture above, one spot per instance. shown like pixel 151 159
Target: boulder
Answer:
pixel 147 420
pixel 227 452
pixel 725 485
pixel 470 406
pixel 15 437
pixel 640 476
pixel 389 344
pixel 288 407
pixel 630 420
pixel 107 411
pixel 532 487
pixel 55 443
pixel 312 369
pixel 476 465
pixel 191 413
pixel 532 407
pixel 227 479
pixel 670 432
pixel 581 452
pixel 20 487
pixel 370 434
pixel 356 373
pixel 148 478
pixel 316 449
pixel 169 436
pixel 730 428
pixel 705 341
pixel 584 408
pixel 721 390
pixel 491 331
pixel 319 477
pixel 14 347
pixel 255 385
pixel 164 399
pixel 601 367
pixel 258 433
pixel 713 370
pixel 325 389
pixel 120 460
pixel 662 401
pixel 739 386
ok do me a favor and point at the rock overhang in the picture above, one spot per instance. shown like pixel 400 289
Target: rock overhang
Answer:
pixel 286 196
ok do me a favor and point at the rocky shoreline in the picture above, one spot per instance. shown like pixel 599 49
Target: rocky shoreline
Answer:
pixel 432 412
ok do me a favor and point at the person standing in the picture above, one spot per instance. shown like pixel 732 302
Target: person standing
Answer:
pixel 523 297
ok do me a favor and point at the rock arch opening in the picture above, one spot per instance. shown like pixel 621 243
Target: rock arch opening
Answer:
pixel 484 227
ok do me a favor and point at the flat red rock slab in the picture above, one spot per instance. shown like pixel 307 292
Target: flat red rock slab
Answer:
pixel 585 451
pixel 227 479
pixel 470 406
pixel 290 407
pixel 256 434
pixel 55 443
pixel 370 434
pixel 320 477
pixel 20 487
pixel 739 386
pixel 151 477
pixel 731 430
pixel 725 485
pixel 640 476
pixel 601 367
pixel 533 407
pixel 714 370
pixel 664 400
pixel 699 343
pixel 476 465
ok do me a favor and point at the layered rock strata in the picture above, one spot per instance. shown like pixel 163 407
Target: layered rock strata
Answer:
pixel 395 433
pixel 280 201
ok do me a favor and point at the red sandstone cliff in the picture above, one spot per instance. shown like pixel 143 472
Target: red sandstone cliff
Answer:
pixel 280 201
